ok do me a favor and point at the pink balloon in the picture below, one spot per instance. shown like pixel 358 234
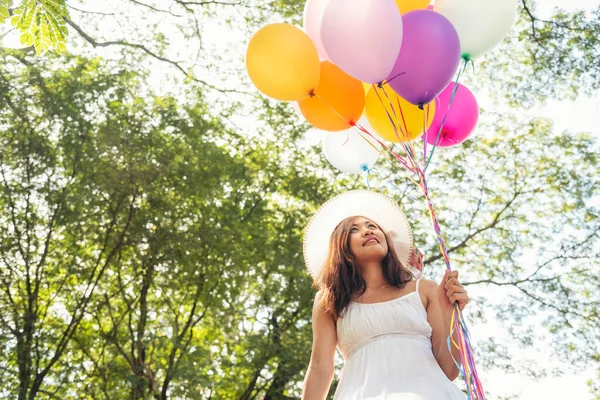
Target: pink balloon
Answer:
pixel 313 15
pixel 461 118
pixel 362 37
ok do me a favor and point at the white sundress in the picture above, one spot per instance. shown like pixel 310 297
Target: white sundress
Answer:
pixel 388 355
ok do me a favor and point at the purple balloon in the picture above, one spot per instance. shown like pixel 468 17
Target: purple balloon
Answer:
pixel 428 58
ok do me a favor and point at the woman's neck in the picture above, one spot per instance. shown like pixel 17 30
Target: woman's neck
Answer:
pixel 372 273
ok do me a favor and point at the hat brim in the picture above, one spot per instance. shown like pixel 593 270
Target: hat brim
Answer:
pixel 374 206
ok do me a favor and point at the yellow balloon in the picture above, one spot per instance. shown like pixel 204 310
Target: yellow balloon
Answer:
pixel 283 62
pixel 409 5
pixel 408 120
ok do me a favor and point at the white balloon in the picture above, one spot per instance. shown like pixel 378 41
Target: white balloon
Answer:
pixel 351 150
pixel 481 24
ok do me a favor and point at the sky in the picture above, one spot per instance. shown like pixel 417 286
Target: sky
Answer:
pixel 574 115
pixel 579 115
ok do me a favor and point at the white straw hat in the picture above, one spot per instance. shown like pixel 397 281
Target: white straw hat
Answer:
pixel 364 203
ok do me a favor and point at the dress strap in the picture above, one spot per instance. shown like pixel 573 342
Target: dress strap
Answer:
pixel 418 281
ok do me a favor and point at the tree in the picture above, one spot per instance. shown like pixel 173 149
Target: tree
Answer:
pixel 132 234
pixel 51 260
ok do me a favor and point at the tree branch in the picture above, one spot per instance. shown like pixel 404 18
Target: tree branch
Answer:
pixel 90 12
pixel 210 2
pixel 545 21
pixel 81 307
pixel 497 219
pixel 123 43
pixel 155 9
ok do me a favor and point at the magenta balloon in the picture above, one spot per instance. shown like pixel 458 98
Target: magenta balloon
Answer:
pixel 428 58
pixel 313 15
pixel 362 37
pixel 461 118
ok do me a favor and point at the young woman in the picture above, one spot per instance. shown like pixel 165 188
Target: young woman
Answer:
pixel 390 328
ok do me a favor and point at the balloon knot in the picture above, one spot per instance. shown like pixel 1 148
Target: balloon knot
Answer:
pixel 312 93
pixel 380 85
pixel 352 123
pixel 364 167
pixel 421 106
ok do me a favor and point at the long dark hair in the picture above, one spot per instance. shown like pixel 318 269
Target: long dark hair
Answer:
pixel 340 279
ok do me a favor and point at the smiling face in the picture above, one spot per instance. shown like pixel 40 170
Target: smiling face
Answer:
pixel 356 244
pixel 367 241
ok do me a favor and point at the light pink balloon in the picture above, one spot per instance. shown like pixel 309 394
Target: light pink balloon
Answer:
pixel 362 37
pixel 313 15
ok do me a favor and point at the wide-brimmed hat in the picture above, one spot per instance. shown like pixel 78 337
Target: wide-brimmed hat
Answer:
pixel 361 203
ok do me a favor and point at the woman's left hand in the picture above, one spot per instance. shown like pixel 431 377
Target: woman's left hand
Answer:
pixel 451 291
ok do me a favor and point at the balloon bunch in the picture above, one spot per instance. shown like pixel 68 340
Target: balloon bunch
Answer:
pixel 374 72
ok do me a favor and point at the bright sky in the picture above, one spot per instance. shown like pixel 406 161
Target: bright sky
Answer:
pixel 579 115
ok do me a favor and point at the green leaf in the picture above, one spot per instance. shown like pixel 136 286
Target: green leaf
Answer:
pixel 4 12
pixel 14 20
pixel 25 38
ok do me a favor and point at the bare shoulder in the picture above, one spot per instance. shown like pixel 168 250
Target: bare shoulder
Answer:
pixel 319 313
pixel 427 291
pixel 428 286
pixel 319 295
pixel 318 299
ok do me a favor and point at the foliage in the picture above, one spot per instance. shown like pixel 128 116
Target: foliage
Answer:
pixel 40 22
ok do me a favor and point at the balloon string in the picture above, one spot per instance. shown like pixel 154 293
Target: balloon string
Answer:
pixel 422 183
pixel 383 145
pixel 454 90
pixel 407 142
pixel 394 77
pixel 425 133
pixel 389 183
pixel 362 129
pixel 407 149
pixel 367 171
pixel 392 118
pixel 393 121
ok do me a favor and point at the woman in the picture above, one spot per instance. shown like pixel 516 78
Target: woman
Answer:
pixel 390 328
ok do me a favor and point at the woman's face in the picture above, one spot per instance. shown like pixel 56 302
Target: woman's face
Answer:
pixel 367 241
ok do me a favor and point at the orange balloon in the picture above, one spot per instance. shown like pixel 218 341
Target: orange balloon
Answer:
pixel 410 122
pixel 282 62
pixel 338 101
pixel 409 5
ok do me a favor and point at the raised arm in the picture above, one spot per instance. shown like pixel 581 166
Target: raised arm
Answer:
pixel 321 367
